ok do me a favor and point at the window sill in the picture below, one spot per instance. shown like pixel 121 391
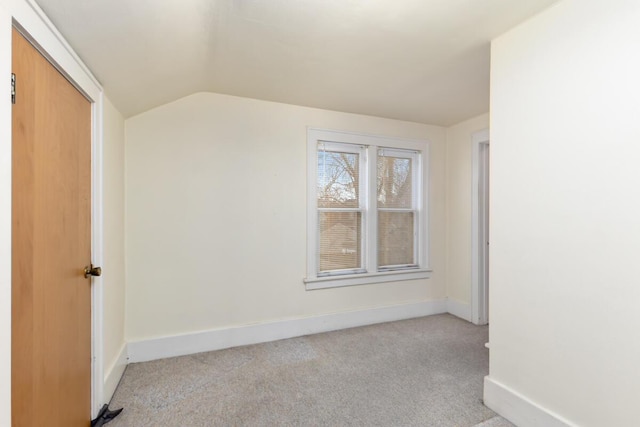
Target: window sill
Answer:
pixel 365 278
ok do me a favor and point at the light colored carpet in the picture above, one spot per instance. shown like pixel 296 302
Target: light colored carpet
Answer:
pixel 495 422
pixel 420 372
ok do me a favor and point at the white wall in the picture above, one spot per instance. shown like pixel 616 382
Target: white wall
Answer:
pixel 459 209
pixel 565 211
pixel 114 257
pixel 216 216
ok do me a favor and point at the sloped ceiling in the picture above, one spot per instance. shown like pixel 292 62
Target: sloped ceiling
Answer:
pixel 419 60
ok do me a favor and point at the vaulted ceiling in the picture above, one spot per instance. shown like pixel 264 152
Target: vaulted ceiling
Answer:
pixel 419 60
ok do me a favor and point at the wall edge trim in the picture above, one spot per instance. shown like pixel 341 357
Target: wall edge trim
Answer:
pixel 459 309
pixel 115 373
pixel 517 408
pixel 218 339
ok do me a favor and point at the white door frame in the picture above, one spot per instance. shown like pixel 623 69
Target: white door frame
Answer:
pixel 479 228
pixel 37 28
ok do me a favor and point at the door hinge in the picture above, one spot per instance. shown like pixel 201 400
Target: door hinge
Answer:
pixel 13 88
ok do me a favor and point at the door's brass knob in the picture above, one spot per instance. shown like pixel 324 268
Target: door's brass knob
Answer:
pixel 92 271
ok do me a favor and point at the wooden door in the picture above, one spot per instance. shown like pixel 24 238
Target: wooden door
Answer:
pixel 51 244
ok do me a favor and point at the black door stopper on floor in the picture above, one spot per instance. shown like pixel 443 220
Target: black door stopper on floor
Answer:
pixel 104 416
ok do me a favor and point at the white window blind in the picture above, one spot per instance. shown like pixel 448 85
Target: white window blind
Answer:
pixel 340 208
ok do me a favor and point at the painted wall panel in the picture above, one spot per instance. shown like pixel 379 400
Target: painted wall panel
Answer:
pixel 564 211
pixel 114 256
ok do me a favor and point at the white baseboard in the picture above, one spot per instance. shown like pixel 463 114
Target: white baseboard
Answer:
pixel 179 345
pixel 459 309
pixel 517 408
pixel 112 378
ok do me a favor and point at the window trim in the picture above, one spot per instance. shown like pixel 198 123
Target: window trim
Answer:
pixel 372 273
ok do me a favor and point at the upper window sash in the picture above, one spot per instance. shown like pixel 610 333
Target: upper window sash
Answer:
pixel 360 151
pixel 416 173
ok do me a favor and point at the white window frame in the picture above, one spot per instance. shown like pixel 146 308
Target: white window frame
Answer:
pixel 370 272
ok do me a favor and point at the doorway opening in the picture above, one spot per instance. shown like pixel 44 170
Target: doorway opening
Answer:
pixel 480 228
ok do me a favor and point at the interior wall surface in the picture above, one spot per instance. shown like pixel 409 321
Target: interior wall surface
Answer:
pixel 565 235
pixel 216 216
pixel 114 257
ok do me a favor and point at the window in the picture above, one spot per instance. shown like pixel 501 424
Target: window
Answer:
pixel 367 216
pixel 340 204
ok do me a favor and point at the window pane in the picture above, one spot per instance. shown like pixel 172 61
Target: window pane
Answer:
pixel 340 235
pixel 395 238
pixel 338 179
pixel 394 182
